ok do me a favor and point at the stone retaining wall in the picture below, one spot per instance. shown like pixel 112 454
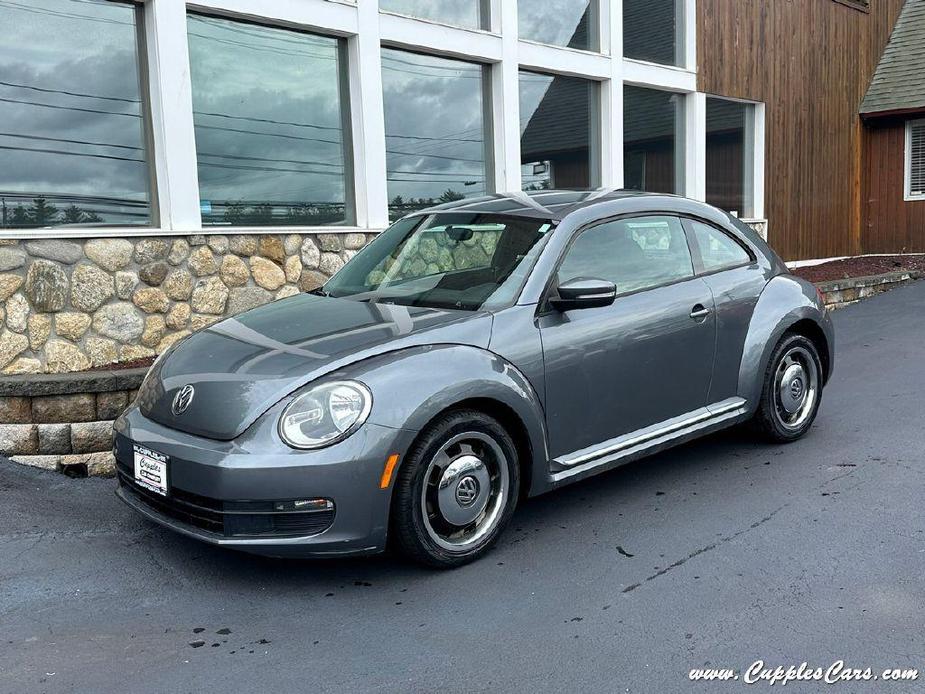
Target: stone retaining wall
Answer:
pixel 839 293
pixel 64 422
pixel 68 305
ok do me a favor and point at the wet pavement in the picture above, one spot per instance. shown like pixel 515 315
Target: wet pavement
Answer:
pixel 714 554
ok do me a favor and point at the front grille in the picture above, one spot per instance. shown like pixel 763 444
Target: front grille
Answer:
pixel 237 519
pixel 175 507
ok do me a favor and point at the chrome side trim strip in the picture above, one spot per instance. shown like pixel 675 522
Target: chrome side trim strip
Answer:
pixel 704 415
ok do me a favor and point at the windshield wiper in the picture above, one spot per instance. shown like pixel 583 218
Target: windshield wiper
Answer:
pixel 319 292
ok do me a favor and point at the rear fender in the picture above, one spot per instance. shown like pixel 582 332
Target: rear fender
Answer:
pixel 785 301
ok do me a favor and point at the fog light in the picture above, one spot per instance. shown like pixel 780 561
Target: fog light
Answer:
pixel 304 505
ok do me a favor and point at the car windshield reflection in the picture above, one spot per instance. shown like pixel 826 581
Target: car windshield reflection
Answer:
pixel 454 260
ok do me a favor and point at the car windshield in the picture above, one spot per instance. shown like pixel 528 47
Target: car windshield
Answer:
pixel 445 260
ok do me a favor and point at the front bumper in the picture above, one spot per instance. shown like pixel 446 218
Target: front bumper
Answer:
pixel 223 492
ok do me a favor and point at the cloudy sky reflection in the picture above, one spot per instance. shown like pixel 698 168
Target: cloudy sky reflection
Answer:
pixel 464 13
pixel 269 132
pixel 434 129
pixel 269 116
pixel 70 114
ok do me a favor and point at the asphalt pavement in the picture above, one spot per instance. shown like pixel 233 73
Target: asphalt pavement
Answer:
pixel 714 554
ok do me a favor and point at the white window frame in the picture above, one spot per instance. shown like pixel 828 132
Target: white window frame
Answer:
pixel 908 195
pixel 366 28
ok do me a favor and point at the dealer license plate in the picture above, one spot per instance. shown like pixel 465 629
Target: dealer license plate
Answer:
pixel 150 469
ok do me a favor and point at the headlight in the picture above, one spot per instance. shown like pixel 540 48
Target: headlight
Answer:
pixel 325 414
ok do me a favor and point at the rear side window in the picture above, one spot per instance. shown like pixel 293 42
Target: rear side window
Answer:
pixel 634 254
pixel 717 250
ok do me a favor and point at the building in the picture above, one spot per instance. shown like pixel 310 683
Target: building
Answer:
pixel 163 166
pixel 894 159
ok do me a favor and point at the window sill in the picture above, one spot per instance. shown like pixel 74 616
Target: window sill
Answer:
pixel 596 52
pixel 664 66
pixel 676 69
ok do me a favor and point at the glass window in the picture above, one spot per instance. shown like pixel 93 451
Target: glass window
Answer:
pixel 915 159
pixel 653 31
pixel 653 126
pixel 434 130
pixel 717 250
pixel 464 13
pixel 729 156
pixel 634 254
pixel 571 23
pixel 454 260
pixel 558 132
pixel 269 125
pixel 72 146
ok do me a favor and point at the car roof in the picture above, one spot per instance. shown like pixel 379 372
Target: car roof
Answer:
pixel 539 204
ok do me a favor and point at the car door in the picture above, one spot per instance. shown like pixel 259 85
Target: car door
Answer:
pixel 644 359
pixel 736 281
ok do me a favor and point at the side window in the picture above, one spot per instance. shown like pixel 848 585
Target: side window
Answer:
pixel 634 254
pixel 717 250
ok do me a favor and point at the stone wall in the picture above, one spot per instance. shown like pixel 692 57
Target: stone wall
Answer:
pixel 759 225
pixel 69 305
pixel 64 422
pixel 839 293
pixel 435 252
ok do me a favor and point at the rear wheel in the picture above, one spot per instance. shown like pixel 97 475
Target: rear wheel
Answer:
pixel 456 491
pixel 792 390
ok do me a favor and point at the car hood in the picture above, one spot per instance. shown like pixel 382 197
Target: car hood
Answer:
pixel 244 365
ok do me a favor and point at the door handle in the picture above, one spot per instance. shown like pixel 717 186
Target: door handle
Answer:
pixel 700 312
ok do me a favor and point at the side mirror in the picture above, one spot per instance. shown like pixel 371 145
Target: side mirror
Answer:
pixel 584 292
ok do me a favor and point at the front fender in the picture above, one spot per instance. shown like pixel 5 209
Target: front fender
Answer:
pixel 411 386
pixel 785 301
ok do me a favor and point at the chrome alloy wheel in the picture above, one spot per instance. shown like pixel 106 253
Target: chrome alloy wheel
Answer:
pixel 796 387
pixel 465 491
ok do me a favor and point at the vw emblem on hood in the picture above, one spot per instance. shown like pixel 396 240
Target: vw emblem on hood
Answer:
pixel 183 399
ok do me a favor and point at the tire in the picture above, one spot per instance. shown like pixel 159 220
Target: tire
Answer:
pixel 791 391
pixel 451 524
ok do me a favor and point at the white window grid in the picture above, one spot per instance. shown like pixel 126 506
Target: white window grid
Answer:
pixel 366 28
pixel 914 161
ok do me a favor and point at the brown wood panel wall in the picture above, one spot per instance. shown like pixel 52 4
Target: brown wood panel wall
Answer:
pixel 810 61
pixel 891 224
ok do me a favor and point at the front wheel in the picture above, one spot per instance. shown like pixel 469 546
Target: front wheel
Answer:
pixel 792 390
pixel 456 491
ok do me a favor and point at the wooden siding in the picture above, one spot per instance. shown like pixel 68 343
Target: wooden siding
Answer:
pixel 810 61
pixel 891 224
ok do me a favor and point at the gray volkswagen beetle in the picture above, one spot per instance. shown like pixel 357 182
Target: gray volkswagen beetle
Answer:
pixel 471 355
